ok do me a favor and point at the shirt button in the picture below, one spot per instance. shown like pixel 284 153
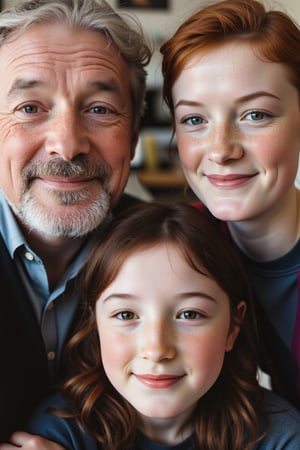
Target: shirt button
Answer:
pixel 29 256
pixel 50 306
pixel 51 356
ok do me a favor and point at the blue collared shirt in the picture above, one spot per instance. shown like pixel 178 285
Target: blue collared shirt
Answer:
pixel 54 309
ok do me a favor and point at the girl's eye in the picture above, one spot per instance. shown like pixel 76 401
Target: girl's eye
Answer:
pixel 126 315
pixel 190 315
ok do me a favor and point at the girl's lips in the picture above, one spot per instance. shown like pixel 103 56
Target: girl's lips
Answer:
pixel 229 181
pixel 158 381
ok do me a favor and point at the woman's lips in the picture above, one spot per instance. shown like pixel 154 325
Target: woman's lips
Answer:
pixel 158 381
pixel 229 181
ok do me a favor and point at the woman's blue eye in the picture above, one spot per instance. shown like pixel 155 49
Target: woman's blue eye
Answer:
pixel 195 120
pixel 257 115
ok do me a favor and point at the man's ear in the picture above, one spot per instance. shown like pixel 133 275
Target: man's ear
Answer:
pixel 134 141
pixel 236 325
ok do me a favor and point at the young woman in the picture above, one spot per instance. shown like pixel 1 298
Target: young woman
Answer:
pixel 232 82
pixel 165 357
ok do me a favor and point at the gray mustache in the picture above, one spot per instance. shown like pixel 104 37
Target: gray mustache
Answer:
pixel 61 168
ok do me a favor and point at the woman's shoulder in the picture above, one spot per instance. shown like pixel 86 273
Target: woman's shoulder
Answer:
pixel 284 424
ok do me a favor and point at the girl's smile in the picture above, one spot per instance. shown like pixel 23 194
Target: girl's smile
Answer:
pixel 163 338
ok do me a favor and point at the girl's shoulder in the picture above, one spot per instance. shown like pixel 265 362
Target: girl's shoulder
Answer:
pixel 65 432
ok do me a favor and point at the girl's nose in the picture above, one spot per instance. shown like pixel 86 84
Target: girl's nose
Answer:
pixel 157 342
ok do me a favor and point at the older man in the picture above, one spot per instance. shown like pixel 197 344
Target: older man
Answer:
pixel 72 88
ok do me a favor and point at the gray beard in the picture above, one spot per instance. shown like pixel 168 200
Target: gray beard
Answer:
pixel 76 221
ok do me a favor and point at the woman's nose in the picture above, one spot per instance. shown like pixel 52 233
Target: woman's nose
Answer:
pixel 225 145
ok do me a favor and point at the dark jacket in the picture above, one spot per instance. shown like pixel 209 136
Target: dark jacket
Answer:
pixel 24 379
pixel 24 372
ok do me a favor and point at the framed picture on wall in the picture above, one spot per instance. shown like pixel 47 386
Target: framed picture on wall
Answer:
pixel 145 4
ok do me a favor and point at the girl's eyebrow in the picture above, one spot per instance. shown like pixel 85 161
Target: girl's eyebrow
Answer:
pixel 179 296
pixel 189 294
pixel 121 296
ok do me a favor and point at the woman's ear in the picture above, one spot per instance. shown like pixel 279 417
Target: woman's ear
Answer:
pixel 239 315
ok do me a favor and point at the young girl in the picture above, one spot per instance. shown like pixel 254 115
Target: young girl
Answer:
pixel 232 82
pixel 165 357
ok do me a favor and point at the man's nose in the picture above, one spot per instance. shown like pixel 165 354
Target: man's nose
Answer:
pixel 67 136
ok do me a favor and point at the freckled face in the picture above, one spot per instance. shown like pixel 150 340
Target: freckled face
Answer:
pixel 237 125
pixel 65 97
pixel 164 329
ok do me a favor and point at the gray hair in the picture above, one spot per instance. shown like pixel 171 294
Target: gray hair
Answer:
pixel 97 15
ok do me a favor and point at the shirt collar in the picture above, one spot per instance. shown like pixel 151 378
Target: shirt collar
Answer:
pixel 14 238
pixel 11 232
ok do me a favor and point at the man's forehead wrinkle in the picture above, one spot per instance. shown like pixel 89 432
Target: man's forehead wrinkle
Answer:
pixel 103 67
pixel 37 80
pixel 26 49
pixel 37 56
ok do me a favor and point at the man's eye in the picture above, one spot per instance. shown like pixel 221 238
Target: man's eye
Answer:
pixel 100 110
pixel 189 315
pixel 30 109
pixel 126 315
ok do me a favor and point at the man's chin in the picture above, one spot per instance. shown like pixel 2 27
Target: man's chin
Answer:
pixel 65 221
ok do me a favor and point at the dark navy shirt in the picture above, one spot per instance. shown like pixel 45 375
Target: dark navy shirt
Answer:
pixel 283 432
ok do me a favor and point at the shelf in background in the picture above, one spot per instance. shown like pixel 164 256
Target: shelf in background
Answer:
pixel 155 179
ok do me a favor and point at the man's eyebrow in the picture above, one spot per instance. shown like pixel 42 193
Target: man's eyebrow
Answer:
pixel 108 85
pixel 21 84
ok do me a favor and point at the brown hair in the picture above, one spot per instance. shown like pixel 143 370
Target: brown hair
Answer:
pixel 228 411
pixel 272 34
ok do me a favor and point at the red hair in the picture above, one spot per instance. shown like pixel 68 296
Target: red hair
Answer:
pixel 272 34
